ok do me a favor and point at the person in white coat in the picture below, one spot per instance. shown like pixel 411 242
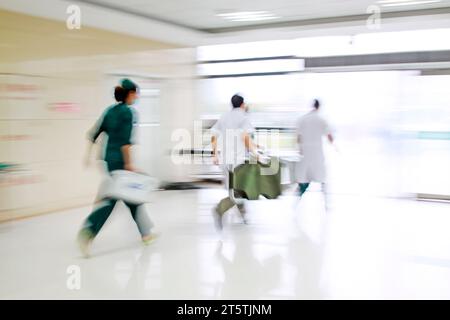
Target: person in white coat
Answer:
pixel 235 132
pixel 311 128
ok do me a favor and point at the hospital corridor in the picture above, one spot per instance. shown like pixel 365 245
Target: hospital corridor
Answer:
pixel 224 150
pixel 380 252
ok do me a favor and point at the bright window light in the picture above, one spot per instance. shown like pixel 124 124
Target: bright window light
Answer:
pixel 372 43
pixel 364 43
pixel 250 67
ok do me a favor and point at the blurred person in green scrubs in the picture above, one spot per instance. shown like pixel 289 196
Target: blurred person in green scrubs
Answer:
pixel 117 124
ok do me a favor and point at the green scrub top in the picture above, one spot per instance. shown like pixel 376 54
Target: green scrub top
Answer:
pixel 117 123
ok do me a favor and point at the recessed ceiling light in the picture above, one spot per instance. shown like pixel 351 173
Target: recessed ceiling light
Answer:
pixel 247 16
pixel 397 3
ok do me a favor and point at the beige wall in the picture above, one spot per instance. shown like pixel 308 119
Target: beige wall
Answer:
pixel 27 38
pixel 48 103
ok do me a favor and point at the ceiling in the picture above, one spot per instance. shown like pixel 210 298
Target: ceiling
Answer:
pixel 37 30
pixel 24 37
pixel 201 14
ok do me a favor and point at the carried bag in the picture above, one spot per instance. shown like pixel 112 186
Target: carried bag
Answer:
pixel 128 186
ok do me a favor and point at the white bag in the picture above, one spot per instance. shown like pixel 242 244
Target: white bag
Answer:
pixel 131 187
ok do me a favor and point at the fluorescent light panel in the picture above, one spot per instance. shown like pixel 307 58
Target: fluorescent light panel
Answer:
pixel 247 16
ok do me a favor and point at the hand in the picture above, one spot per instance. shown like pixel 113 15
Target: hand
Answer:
pixel 87 161
pixel 129 167
pixel 336 148
pixel 215 160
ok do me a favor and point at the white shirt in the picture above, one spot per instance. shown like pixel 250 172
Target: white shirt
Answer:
pixel 229 130
pixel 311 128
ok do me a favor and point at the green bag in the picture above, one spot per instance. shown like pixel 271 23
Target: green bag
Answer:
pixel 255 179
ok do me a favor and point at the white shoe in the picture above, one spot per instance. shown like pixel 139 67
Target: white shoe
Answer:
pixel 84 243
pixel 243 213
pixel 148 240
pixel 218 219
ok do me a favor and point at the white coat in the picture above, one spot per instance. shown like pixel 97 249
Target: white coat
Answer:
pixel 311 128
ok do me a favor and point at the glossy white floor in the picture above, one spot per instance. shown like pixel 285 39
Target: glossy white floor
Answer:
pixel 362 248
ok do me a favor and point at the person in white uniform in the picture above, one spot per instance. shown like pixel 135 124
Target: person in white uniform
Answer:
pixel 311 128
pixel 232 133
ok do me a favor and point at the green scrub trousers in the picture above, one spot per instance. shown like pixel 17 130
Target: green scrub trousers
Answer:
pixel 117 123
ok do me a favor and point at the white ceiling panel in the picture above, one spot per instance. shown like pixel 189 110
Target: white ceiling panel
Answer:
pixel 201 14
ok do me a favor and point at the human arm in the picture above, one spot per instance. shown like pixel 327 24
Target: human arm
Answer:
pixel 214 149
pixel 330 138
pixel 299 143
pixel 247 136
pixel 125 140
pixel 215 132
pixel 126 152
pixel 249 143
pixel 92 137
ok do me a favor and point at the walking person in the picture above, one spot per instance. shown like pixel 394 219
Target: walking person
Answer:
pixel 117 124
pixel 311 128
pixel 234 129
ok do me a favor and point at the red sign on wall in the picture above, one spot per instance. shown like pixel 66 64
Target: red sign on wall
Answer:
pixel 65 107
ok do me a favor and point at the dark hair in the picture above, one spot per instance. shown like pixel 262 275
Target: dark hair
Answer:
pixel 121 92
pixel 237 101
pixel 316 104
